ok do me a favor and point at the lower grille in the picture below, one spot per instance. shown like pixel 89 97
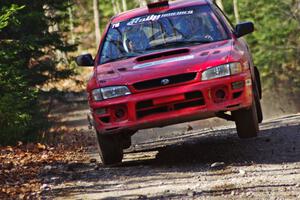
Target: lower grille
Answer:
pixel 141 114
pixel 147 108
pixel 180 106
pixel 144 104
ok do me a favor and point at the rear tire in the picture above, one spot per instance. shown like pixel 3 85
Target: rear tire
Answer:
pixel 246 121
pixel 111 151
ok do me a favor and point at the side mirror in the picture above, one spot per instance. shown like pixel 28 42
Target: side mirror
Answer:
pixel 85 60
pixel 244 28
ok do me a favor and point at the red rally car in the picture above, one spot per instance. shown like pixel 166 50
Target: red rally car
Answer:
pixel 168 63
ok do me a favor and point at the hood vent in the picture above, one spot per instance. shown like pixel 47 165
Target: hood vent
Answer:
pixel 162 54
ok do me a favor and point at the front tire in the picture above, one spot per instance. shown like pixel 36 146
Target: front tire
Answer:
pixel 246 121
pixel 259 111
pixel 111 151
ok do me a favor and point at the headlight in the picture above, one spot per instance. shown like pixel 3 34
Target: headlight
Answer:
pixel 97 96
pixel 110 92
pixel 222 71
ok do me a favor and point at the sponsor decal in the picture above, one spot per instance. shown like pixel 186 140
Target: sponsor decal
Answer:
pixel 151 18
pixel 248 82
pixel 116 25
pixel 164 61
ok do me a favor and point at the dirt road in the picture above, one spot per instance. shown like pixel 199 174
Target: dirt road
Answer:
pixel 199 164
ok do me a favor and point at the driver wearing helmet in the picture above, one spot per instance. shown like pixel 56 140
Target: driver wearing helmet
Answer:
pixel 193 28
pixel 136 39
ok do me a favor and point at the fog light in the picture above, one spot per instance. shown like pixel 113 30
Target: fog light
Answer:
pixel 220 94
pixel 120 113
pixel 100 111
pixel 237 85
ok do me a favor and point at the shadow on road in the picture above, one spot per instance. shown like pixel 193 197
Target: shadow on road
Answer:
pixel 279 142
pixel 274 145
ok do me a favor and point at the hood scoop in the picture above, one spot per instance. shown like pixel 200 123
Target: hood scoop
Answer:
pixel 162 54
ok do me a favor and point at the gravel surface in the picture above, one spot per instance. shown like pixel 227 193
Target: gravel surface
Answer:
pixel 195 164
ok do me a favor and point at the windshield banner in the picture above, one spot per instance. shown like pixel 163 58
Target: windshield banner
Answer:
pixel 149 18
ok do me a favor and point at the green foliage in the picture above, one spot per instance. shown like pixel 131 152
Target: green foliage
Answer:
pixel 84 19
pixel 30 40
pixel 276 41
pixel 40 38
pixel 107 12
pixel 15 97
pixel 6 15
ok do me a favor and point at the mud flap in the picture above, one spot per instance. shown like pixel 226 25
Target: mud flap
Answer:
pixel 258 81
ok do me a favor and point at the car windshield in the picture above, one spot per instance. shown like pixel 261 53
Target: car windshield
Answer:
pixel 171 29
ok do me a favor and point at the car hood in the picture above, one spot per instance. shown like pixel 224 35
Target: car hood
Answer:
pixel 192 59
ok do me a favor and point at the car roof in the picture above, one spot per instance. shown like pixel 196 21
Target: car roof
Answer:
pixel 144 10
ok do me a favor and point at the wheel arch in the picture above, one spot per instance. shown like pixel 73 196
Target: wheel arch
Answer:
pixel 258 81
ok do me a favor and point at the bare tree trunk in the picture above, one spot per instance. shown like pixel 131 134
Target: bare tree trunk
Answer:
pixel 142 3
pixel 236 11
pixel 118 6
pixel 71 25
pixel 113 2
pixel 97 21
pixel 60 55
pixel 124 4
pixel 219 3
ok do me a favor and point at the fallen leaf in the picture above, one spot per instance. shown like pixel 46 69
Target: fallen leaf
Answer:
pixel 41 146
pixel 217 165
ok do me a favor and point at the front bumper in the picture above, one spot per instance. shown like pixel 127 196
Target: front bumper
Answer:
pixel 166 106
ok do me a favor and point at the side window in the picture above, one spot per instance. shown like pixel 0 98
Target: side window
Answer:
pixel 112 48
pixel 215 27
pixel 202 26
pixel 224 17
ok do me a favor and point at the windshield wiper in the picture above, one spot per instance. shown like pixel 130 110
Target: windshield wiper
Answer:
pixel 178 43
